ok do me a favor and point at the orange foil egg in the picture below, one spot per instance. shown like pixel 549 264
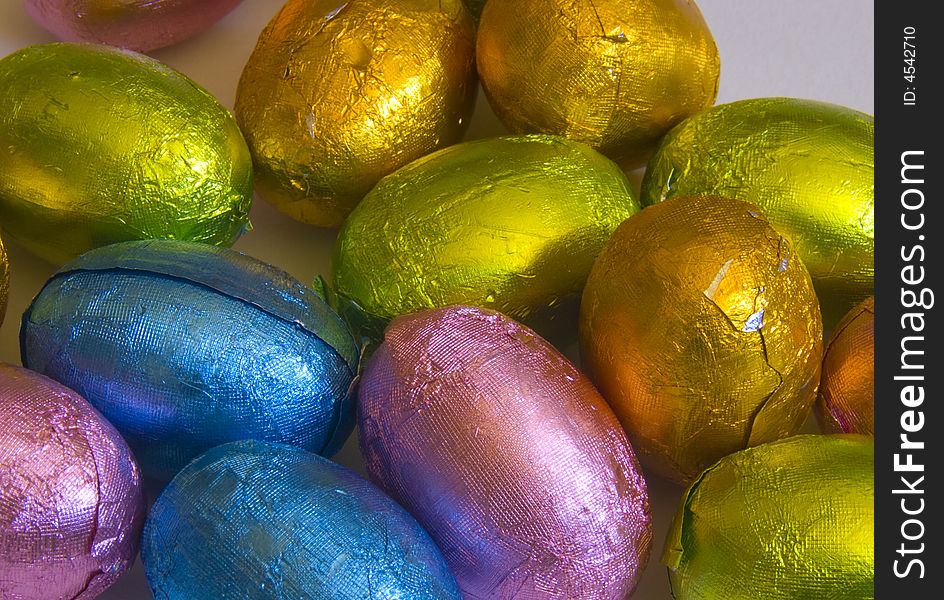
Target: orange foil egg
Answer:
pixel 846 402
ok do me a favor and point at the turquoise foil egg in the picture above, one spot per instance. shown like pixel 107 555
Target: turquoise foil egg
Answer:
pixel 185 346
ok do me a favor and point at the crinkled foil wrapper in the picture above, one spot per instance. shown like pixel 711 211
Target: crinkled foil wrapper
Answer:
pixel 338 94
pixel 185 346
pixel 700 326
pixel 807 165
pixel 616 74
pixel 4 281
pixel 261 521
pixel 71 502
pixel 846 402
pixel 141 25
pixel 511 223
pixel 100 145
pixel 507 455
pixel 788 520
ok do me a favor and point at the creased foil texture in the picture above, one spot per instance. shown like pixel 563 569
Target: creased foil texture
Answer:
pixel 807 165
pixel 184 346
pixel 99 145
pixel 4 281
pixel 507 455
pixel 700 326
pixel 846 402
pixel 141 25
pixel 615 74
pixel 789 520
pixel 261 521
pixel 71 503
pixel 338 94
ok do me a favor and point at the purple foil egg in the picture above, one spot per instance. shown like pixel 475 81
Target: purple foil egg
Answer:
pixel 71 502
pixel 507 455
pixel 141 25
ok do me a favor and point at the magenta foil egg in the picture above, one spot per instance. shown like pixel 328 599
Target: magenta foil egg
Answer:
pixel 508 457
pixel 71 502
pixel 141 25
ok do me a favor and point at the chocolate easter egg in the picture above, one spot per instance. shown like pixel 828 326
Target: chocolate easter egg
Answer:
pixel 846 402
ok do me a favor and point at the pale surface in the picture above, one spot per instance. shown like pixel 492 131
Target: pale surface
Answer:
pixel 805 48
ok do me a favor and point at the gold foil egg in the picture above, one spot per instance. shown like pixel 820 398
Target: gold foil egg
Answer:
pixel 700 327
pixel 510 223
pixel 788 520
pixel 615 74
pixel 338 94
pixel 99 145
pixel 846 401
pixel 807 165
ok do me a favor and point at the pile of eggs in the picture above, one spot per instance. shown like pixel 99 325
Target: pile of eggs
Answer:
pixel 158 359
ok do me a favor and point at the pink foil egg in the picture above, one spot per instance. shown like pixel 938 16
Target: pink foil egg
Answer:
pixel 71 502
pixel 141 25
pixel 508 457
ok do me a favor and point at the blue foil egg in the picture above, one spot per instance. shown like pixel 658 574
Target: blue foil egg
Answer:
pixel 254 520
pixel 185 346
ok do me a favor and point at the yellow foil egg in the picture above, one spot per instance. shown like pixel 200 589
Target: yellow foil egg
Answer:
pixel 338 94
pixel 700 327
pixel 807 165
pixel 789 520
pixel 846 400
pixel 615 74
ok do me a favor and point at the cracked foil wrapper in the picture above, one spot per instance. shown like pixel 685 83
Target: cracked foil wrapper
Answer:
pixel 700 326
pixel 338 94
pixel 846 402
pixel 141 25
pixel 100 145
pixel 507 455
pixel 510 223
pixel 807 165
pixel 261 521
pixel 615 74
pixel 788 520
pixel 71 501
pixel 184 346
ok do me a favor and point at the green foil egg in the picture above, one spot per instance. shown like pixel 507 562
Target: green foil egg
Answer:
pixel 510 223
pixel 788 520
pixel 99 145
pixel 807 165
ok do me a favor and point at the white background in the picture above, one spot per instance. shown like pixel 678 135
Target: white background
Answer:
pixel 819 49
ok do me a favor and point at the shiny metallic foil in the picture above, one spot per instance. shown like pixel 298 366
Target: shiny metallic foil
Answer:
pixel 789 520
pixel 99 145
pixel 262 521
pixel 338 94
pixel 807 165
pixel 510 223
pixel 507 455
pixel 4 281
pixel 141 25
pixel 184 346
pixel 846 401
pixel 71 502
pixel 615 74
pixel 700 326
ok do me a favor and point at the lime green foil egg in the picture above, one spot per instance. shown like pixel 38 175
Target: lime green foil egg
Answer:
pixel 99 145
pixel 788 520
pixel 807 165
pixel 510 223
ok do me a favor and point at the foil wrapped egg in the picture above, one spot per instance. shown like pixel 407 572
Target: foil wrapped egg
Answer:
pixel 71 501
pixel 101 145
pixel 511 223
pixel 338 94
pixel 788 520
pixel 700 326
pixel 184 346
pixel 615 74
pixel 807 165
pixel 846 402
pixel 507 455
pixel 141 25
pixel 260 521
